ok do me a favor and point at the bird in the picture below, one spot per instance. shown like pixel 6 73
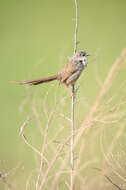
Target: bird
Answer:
pixel 68 74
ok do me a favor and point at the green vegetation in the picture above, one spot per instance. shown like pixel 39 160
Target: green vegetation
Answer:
pixel 36 39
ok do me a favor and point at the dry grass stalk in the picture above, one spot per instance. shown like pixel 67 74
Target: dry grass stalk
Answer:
pixel 104 115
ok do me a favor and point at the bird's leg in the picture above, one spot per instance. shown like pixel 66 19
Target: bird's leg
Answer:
pixel 71 91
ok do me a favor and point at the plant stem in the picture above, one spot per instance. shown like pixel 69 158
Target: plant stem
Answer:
pixel 72 138
pixel 72 111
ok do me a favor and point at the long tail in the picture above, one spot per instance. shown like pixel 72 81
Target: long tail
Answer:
pixel 38 81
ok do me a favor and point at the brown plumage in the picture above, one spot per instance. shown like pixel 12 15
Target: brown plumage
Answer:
pixel 38 81
pixel 68 75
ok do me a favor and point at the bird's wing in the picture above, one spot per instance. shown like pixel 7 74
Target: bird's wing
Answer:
pixel 67 71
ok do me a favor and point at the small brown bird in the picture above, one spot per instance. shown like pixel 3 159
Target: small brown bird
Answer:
pixel 68 75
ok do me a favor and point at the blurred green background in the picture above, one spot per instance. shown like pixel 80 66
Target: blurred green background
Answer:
pixel 36 39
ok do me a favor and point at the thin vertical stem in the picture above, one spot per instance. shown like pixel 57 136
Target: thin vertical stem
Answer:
pixel 76 27
pixel 72 111
pixel 72 139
